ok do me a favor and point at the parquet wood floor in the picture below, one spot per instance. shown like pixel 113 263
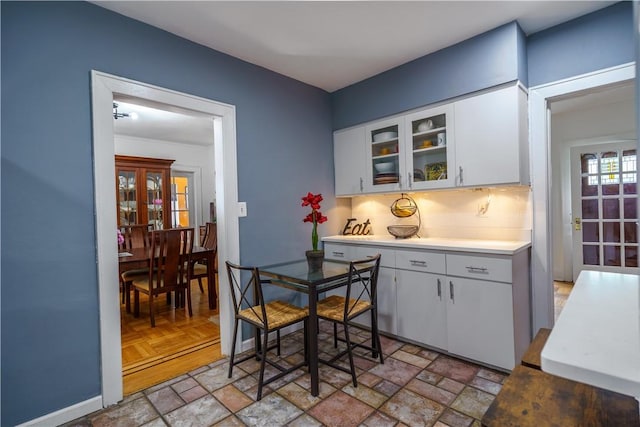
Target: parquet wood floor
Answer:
pixel 178 343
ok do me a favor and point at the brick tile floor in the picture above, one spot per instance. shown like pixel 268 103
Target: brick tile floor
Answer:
pixel 414 387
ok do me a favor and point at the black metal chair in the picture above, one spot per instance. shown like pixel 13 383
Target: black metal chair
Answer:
pixel 249 306
pixel 361 297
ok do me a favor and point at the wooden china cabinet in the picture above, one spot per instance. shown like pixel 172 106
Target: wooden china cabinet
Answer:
pixel 143 191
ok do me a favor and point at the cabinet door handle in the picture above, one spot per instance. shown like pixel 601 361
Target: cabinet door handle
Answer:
pixel 453 299
pixel 338 254
pixel 473 269
pixel 439 290
pixel 461 178
pixel 418 262
pixel 410 181
pixel 361 185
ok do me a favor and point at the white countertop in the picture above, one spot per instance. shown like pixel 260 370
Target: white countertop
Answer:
pixel 596 339
pixel 501 247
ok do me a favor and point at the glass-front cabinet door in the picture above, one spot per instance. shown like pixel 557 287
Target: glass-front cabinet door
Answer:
pixel 155 199
pixel 430 162
pixel 385 153
pixel 127 197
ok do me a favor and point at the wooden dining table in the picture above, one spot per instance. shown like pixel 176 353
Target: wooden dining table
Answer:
pixel 138 258
pixel 296 275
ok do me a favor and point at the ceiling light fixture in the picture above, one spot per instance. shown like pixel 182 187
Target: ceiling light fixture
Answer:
pixel 117 115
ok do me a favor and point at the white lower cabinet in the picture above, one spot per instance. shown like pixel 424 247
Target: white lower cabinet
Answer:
pixel 480 321
pixel 421 307
pixel 472 305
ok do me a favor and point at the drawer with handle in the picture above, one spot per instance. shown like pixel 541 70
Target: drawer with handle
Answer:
pixel 339 252
pixel 486 267
pixel 432 262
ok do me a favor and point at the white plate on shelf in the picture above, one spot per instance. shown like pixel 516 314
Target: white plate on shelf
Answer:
pixel 384 136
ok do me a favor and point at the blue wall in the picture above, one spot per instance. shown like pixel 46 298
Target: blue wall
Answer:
pixel 599 40
pixel 489 59
pixel 50 330
pixel 595 41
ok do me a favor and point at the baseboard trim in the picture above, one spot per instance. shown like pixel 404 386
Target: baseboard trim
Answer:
pixel 67 414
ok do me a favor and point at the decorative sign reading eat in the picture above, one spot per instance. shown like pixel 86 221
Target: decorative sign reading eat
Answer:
pixel 356 229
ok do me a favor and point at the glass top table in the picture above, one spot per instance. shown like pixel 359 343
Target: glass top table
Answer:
pixel 296 275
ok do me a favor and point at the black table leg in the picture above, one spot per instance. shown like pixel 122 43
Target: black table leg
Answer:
pixel 312 330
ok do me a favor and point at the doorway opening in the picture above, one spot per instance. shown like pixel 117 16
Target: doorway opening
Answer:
pixel 565 114
pixel 104 88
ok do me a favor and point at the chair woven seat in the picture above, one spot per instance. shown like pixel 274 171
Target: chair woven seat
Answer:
pixel 279 314
pixel 332 307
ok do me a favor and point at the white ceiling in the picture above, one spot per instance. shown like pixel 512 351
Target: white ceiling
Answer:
pixel 333 44
pixel 327 44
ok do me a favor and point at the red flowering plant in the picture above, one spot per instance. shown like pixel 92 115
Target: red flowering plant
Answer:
pixel 314 217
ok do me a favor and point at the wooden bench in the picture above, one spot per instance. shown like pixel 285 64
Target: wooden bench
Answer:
pixel 531 397
pixel 531 357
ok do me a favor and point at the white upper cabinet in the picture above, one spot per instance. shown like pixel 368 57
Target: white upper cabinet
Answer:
pixel 430 152
pixel 491 144
pixel 385 164
pixel 474 142
pixel 349 161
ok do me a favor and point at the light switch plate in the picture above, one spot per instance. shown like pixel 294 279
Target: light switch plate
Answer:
pixel 242 209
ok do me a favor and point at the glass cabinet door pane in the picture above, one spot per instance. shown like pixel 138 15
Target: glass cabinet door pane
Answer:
pixel 154 199
pixel 429 148
pixel 385 155
pixel 127 197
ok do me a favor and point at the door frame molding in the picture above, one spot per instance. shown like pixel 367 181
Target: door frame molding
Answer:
pixel 103 87
pixel 539 139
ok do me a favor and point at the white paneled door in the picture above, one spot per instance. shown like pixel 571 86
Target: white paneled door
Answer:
pixel 604 208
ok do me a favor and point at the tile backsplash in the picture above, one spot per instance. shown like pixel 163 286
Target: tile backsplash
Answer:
pixel 503 213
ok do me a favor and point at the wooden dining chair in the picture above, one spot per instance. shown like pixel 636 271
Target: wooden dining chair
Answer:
pixel 169 272
pixel 135 236
pixel 361 290
pixel 200 268
pixel 250 306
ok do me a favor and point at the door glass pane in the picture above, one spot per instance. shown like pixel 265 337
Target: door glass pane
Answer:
pixel 590 186
pixel 589 162
pixel 630 232
pixel 631 256
pixel 590 232
pixel 610 173
pixel 154 199
pixel 180 201
pixel 591 255
pixel 611 232
pixel 629 172
pixel 630 208
pixel 610 209
pixel 590 209
pixel 612 255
